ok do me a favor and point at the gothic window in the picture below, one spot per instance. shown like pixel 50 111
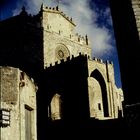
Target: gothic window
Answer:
pixel 61 52
pixel 54 110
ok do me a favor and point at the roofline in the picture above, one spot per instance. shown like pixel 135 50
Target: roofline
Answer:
pixel 57 11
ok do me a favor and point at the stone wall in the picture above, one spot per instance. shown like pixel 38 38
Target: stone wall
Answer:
pixel 17 92
pixel 52 41
pixel 56 21
pixel 58 30
pixel 100 84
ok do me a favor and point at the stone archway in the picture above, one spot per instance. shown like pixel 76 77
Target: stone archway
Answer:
pixel 98 76
pixel 95 99
pixel 54 108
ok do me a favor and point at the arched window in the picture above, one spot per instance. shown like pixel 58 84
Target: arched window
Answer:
pixel 54 110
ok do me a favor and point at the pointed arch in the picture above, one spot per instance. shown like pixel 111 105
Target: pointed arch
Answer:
pixel 98 76
pixel 54 108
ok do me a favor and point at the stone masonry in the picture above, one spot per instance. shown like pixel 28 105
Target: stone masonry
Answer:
pixel 17 92
pixel 59 35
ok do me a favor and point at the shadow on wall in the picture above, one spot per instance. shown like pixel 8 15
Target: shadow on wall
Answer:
pixel 22 41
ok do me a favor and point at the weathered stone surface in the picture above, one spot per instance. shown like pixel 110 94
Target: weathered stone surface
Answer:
pixel 58 30
pixel 17 92
pixel 9 85
pixel 104 76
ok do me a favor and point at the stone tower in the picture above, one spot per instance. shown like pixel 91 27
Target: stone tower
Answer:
pixel 61 43
pixel 60 39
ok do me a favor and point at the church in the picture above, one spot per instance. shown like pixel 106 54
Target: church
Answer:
pixel 49 79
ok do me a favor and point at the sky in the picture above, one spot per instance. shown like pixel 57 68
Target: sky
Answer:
pixel 92 17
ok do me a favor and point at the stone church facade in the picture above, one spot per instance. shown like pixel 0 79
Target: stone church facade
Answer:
pixel 48 74
pixel 61 42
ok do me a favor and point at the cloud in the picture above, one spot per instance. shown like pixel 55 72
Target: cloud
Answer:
pixel 85 18
pixel 87 23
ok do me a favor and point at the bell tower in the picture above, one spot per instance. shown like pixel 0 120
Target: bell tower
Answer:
pixel 60 39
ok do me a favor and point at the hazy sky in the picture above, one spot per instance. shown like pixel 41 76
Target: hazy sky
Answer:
pixel 92 17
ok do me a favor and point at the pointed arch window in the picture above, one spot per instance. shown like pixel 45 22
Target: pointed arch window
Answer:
pixel 54 110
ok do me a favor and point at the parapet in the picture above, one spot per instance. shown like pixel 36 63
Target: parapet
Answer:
pixel 57 10
pixel 71 57
pixel 83 40
pixel 102 61
pixel 67 59
pixel 109 62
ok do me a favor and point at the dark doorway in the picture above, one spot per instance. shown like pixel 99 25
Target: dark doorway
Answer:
pixel 28 123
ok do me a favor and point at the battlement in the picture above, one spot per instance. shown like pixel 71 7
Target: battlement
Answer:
pixel 58 11
pixel 55 21
pixel 80 39
pixel 71 57
pixel 68 59
pixel 102 61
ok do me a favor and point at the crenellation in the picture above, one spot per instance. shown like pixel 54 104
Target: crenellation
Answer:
pixel 65 59
pixel 72 56
pixel 51 64
pixel 80 53
pixel 78 38
pixel 57 10
pixel 68 58
pixel 109 62
pixel 62 60
pixel 56 62
pixel 98 60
